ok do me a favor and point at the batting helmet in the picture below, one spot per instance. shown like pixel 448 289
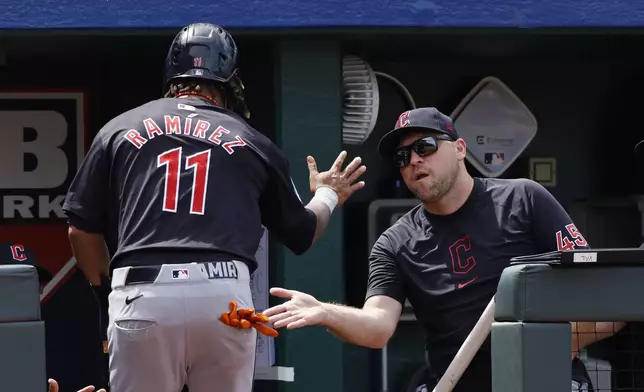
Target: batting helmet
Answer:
pixel 205 51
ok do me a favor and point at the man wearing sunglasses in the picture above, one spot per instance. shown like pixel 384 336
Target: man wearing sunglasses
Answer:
pixel 447 254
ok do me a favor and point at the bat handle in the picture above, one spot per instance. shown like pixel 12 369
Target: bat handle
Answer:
pixel 468 350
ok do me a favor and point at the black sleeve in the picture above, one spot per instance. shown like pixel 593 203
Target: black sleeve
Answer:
pixel 283 212
pixel 384 278
pixel 552 227
pixel 86 200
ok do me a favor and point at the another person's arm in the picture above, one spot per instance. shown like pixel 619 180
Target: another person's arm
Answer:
pixel 371 326
pixel 553 229
pixel 287 219
pixel 85 207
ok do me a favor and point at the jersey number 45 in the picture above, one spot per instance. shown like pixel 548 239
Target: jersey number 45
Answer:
pixel 199 163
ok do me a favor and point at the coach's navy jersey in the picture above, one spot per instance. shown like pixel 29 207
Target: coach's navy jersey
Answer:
pixel 180 180
pixel 448 267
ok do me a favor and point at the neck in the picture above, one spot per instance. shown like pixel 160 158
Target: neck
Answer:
pixel 211 99
pixel 454 198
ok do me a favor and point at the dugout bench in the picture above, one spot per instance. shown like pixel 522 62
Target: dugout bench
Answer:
pixel 538 297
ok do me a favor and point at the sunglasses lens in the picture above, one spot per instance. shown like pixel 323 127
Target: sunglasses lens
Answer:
pixel 425 146
pixel 402 157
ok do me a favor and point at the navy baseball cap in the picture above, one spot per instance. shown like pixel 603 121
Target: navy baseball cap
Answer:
pixel 19 254
pixel 422 119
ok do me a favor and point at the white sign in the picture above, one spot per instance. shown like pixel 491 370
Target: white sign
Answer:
pixel 496 126
pixel 43 143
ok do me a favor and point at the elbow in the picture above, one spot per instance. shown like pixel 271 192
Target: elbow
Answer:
pixel 380 339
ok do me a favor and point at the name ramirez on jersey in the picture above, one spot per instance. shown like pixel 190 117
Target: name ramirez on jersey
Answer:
pixel 173 124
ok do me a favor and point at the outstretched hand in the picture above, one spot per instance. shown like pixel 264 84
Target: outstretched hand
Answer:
pixel 301 310
pixel 343 182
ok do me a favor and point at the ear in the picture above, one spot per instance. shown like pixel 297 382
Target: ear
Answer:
pixel 461 148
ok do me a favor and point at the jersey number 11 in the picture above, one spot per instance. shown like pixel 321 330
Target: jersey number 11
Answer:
pixel 199 163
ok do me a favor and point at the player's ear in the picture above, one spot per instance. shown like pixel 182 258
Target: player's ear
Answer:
pixel 461 148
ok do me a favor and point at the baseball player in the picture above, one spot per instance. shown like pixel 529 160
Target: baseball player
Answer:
pixel 177 191
pixel 447 254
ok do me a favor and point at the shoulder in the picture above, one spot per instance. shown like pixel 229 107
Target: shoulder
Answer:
pixel 132 118
pixel 398 234
pixel 511 190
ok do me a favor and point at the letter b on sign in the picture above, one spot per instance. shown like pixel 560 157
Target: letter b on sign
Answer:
pixel 47 131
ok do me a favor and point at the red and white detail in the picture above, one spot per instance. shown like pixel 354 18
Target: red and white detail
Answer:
pixel 170 159
pixel 152 128
pixel 172 125
pixel 18 252
pixel 228 146
pixel 403 119
pixel 564 243
pixel 200 164
pixel 200 129
pixel 215 136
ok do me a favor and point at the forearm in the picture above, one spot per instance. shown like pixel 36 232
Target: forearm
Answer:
pixel 323 215
pixel 587 333
pixel 91 254
pixel 361 327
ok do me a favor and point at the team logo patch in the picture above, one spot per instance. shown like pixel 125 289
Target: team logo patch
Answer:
pixel 221 270
pixel 180 274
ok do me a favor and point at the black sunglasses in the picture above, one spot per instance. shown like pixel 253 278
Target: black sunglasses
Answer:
pixel 423 147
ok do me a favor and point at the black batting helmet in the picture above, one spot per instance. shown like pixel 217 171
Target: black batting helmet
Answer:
pixel 205 51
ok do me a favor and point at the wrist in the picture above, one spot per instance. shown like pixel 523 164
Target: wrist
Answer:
pixel 327 314
pixel 326 196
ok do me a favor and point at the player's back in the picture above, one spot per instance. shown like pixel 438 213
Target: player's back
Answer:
pixel 186 180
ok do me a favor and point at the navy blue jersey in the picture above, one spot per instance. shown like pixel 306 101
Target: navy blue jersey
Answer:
pixel 181 180
pixel 449 266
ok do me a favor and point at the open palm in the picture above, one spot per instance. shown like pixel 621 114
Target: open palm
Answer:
pixel 343 182
pixel 301 310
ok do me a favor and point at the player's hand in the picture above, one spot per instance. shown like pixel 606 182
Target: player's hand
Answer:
pixel 53 387
pixel 301 310
pixel 343 182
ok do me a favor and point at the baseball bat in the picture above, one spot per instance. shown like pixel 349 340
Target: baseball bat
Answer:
pixel 468 349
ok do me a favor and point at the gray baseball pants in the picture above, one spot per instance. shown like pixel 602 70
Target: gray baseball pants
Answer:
pixel 166 333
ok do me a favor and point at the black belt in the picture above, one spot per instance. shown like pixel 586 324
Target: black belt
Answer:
pixel 143 274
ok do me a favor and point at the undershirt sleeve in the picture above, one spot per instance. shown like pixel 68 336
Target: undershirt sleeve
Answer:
pixel 384 278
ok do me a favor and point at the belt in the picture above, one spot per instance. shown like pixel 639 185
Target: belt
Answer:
pixel 146 274
pixel 143 274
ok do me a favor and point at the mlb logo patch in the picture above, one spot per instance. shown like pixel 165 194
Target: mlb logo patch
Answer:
pixel 180 274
